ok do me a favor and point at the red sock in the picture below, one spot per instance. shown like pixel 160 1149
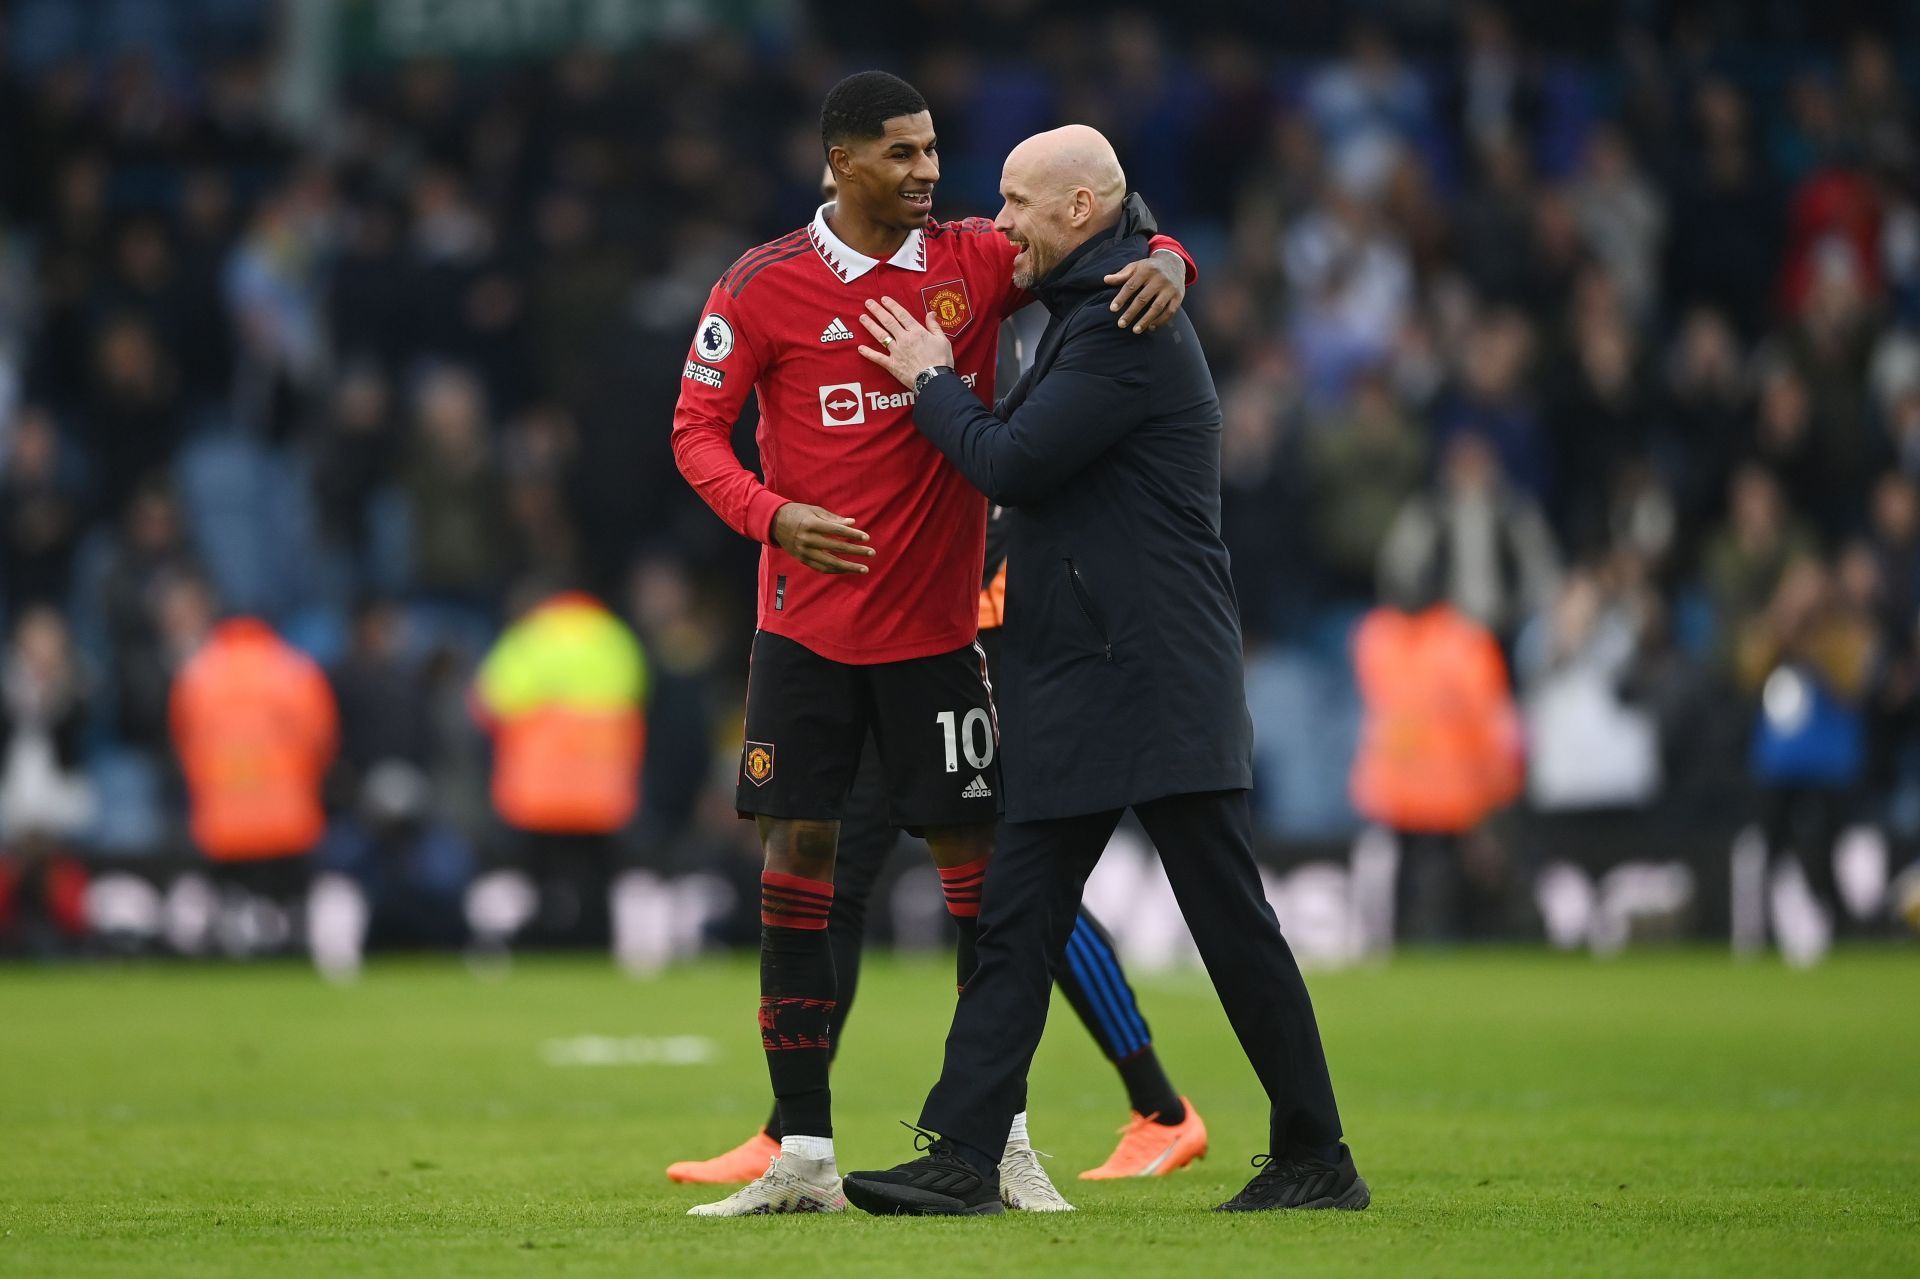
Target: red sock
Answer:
pixel 962 884
pixel 794 901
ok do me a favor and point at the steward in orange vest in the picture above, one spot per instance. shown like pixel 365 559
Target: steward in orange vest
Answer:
pixel 562 692
pixel 1440 745
pixel 255 729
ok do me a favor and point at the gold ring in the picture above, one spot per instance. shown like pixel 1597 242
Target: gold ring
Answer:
pixel 886 341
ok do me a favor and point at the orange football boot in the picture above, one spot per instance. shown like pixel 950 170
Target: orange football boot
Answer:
pixel 741 1164
pixel 1149 1149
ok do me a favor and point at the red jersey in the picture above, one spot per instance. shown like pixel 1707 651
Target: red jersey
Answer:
pixel 837 432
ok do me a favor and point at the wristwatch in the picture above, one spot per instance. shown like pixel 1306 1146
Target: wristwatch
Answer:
pixel 927 375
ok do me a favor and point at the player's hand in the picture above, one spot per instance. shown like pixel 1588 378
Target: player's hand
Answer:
pixel 907 345
pixel 1151 290
pixel 818 538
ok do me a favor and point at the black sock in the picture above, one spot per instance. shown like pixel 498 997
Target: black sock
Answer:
pixel 961 885
pixel 1149 1091
pixel 966 955
pixel 797 1000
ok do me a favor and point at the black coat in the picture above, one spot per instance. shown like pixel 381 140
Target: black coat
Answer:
pixel 1121 680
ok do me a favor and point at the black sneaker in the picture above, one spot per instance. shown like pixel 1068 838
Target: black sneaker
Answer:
pixel 940 1183
pixel 1300 1181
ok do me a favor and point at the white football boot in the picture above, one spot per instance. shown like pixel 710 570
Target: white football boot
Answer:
pixel 790 1184
pixel 1024 1184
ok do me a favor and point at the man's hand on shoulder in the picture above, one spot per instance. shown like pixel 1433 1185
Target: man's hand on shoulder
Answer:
pixel 1151 290
pixel 818 538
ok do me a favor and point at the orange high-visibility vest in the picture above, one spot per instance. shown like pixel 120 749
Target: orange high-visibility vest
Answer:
pixel 562 692
pixel 255 728
pixel 1440 745
pixel 993 600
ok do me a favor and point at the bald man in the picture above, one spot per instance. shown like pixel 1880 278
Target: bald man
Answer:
pixel 1120 686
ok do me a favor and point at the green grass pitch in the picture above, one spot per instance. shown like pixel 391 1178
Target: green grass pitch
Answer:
pixel 1516 1114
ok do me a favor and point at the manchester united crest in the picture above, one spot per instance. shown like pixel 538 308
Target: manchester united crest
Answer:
pixel 758 764
pixel 949 305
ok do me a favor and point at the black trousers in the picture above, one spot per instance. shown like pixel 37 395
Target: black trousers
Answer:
pixel 1031 900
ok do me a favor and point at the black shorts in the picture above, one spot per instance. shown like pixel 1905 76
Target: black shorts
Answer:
pixel 932 720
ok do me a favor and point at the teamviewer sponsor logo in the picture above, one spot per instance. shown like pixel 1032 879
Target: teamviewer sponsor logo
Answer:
pixel 842 405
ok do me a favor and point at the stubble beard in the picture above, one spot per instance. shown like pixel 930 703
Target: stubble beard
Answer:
pixel 1027 270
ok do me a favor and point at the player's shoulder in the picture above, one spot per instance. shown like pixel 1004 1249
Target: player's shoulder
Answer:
pixel 749 265
pixel 960 227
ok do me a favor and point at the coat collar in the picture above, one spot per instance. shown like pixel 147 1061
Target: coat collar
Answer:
pixel 849 264
pixel 1083 271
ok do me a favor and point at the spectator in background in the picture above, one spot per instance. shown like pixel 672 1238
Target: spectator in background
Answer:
pixel 1829 347
pixel 355 451
pixel 1875 116
pixel 1351 282
pixel 456 494
pixel 683 647
pixel 134 417
pixel 581 283
pixel 151 553
pixel 540 456
pixel 1492 400
pixel 395 873
pixel 563 693
pixel 43 512
pixel 1623 216
pixel 1744 561
pixel 1705 419
pixel 1599 411
pixel 1495 91
pixel 1439 751
pixel 45 799
pixel 255 729
pixel 367 294
pixel 1726 215
pixel 1494 224
pixel 1367 107
pixel 1807 663
pixel 1363 467
pixel 206 346
pixel 1487 550
pixel 71 263
pixel 384 712
pixel 181 613
pixel 275 289
pixel 1893 542
pixel 1784 442
pixel 1587 746
pixel 1262 499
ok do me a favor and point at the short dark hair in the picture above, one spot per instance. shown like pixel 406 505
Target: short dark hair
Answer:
pixel 860 106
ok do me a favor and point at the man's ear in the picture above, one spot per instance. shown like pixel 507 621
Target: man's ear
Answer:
pixel 1082 211
pixel 840 160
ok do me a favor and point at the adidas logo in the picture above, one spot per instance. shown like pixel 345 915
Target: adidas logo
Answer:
pixel 836 332
pixel 977 789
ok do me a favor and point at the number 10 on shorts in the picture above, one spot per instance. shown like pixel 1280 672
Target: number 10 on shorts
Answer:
pixel 959 736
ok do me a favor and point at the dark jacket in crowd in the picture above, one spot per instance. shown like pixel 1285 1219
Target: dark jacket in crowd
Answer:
pixel 1121 680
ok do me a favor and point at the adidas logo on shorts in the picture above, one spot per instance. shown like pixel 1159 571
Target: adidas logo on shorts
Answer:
pixel 836 332
pixel 977 789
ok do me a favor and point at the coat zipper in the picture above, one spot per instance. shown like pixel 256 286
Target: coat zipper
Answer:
pixel 1085 601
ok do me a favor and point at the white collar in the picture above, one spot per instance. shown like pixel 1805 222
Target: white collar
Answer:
pixel 850 264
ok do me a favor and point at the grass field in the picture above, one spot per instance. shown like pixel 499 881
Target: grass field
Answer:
pixel 1516 1114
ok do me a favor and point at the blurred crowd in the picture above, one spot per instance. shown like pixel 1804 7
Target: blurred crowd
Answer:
pixel 1605 342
